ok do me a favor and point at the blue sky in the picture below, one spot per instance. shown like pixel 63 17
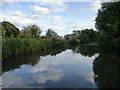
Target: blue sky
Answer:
pixel 62 17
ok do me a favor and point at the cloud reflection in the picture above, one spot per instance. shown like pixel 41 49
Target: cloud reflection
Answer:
pixel 42 66
pixel 48 72
pixel 44 71
pixel 10 80
pixel 52 75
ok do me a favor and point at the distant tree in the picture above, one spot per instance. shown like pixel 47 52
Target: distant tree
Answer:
pixel 51 33
pixel 108 22
pixel 85 36
pixel 35 31
pixel 32 31
pixel 25 32
pixel 8 29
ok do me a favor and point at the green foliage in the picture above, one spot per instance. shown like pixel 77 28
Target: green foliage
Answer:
pixel 32 31
pixel 72 39
pixel 51 33
pixel 29 40
pixel 15 46
pixel 9 29
pixel 108 23
pixel 56 40
pixel 88 36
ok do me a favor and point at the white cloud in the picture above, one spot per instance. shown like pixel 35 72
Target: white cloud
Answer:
pixel 39 10
pixel 115 0
pixel 79 25
pixel 55 18
pixel 7 0
pixel 94 6
pixel 50 1
pixel 56 9
pixel 17 18
pixel 59 3
pixel 47 14
pixel 19 14
pixel 46 1
pixel 35 16
pixel 54 6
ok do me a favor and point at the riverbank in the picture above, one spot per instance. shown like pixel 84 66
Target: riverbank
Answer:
pixel 16 46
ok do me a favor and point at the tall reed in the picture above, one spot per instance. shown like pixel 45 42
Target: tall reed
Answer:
pixel 14 46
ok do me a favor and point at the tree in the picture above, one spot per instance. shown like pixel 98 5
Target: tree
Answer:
pixel 35 31
pixel 51 33
pixel 8 29
pixel 76 32
pixel 31 31
pixel 26 32
pixel 88 36
pixel 108 22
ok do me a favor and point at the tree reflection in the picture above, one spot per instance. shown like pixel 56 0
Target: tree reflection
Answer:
pixel 32 58
pixel 107 70
pixel 106 66
pixel 86 50
pixel 15 62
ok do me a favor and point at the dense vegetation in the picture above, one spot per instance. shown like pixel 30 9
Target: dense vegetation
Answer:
pixel 108 24
pixel 85 36
pixel 29 39
pixel 107 65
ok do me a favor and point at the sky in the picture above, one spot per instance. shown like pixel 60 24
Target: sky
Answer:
pixel 62 16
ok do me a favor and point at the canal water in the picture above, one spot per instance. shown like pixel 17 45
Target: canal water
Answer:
pixel 66 69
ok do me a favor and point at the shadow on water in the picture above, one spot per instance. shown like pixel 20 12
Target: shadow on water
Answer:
pixel 86 50
pixel 107 70
pixel 106 66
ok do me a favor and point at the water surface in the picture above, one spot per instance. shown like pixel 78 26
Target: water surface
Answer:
pixel 65 69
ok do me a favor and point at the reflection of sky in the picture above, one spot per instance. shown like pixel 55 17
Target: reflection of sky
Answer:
pixel 61 70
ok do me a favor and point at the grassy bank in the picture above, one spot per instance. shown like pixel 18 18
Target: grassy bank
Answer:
pixel 15 46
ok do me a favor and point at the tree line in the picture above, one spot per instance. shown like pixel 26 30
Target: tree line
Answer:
pixel 31 31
